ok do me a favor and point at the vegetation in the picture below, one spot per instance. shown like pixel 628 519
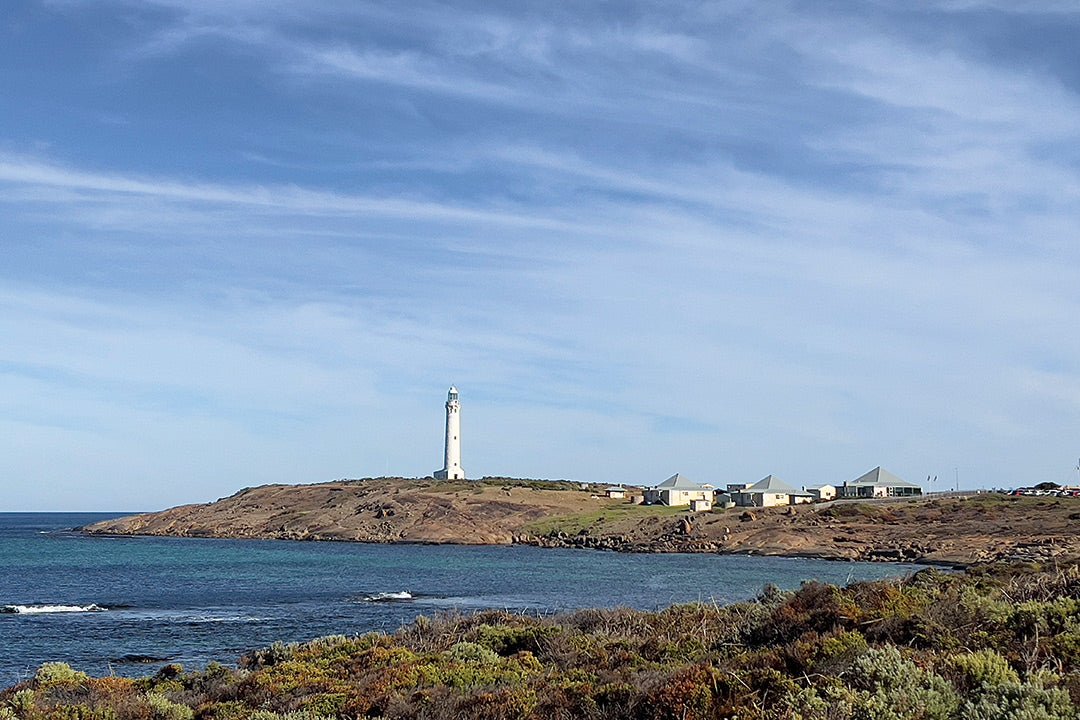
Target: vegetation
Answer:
pixel 611 518
pixel 992 643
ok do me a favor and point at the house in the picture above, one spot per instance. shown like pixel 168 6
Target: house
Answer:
pixel 616 493
pixel 677 490
pixel 768 492
pixel 823 493
pixel 700 505
pixel 878 483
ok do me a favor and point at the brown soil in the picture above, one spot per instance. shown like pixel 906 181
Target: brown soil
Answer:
pixel 958 531
pixel 491 512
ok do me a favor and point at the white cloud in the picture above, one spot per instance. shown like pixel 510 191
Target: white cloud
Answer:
pixel 820 245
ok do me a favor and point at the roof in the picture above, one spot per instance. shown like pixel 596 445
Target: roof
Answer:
pixel 877 476
pixel 678 482
pixel 772 484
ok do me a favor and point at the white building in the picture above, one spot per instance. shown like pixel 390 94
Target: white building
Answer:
pixel 616 493
pixel 769 492
pixel 823 493
pixel 878 483
pixel 677 490
pixel 451 469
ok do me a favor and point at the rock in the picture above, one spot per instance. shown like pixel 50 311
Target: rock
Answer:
pixel 135 658
pixel 747 516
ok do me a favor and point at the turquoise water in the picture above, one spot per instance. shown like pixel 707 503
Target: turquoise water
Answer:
pixel 194 601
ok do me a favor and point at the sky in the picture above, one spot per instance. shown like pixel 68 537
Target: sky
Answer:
pixel 255 241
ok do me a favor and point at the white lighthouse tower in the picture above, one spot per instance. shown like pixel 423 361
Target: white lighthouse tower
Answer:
pixel 452 460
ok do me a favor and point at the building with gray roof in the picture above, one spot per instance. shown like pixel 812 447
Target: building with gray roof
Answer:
pixel 769 492
pixel 678 490
pixel 878 483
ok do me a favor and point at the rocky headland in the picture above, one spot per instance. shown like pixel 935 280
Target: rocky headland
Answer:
pixel 950 531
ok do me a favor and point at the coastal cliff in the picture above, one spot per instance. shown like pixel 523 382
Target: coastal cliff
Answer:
pixel 956 531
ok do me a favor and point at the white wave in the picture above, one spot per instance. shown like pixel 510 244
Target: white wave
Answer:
pixel 48 609
pixel 204 619
pixel 389 596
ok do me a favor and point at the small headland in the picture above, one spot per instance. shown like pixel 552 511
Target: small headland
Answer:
pixel 954 531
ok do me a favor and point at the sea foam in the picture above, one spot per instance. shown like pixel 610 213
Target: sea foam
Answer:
pixel 390 596
pixel 48 609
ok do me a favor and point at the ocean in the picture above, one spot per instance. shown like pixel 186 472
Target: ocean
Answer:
pixel 95 602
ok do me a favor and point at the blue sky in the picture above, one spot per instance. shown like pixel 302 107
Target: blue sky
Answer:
pixel 253 241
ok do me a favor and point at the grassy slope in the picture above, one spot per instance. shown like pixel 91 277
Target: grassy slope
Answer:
pixel 992 643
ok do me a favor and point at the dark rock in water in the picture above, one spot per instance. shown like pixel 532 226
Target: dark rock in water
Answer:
pixel 135 658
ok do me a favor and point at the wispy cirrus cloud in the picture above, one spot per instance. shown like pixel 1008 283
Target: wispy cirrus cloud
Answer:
pixel 731 238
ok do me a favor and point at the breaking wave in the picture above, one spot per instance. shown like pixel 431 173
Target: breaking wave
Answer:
pixel 207 619
pixel 48 609
pixel 401 596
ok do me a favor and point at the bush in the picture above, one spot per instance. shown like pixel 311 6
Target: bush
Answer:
pixel 58 674
pixel 970 671
pixel 511 640
pixel 893 688
pixel 1013 701
pixel 470 652
pixel 165 709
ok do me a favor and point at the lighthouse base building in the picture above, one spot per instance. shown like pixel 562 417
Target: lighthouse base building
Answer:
pixel 451 469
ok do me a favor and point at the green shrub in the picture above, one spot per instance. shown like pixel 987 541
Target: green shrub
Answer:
pixel 972 670
pixel 325 704
pixel 892 688
pixel 228 710
pixel 165 709
pixel 1013 701
pixel 23 703
pixel 471 652
pixel 58 674
pixel 837 652
pixel 295 715
pixel 511 640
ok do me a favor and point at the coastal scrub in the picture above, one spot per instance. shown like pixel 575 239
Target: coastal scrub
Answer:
pixel 990 643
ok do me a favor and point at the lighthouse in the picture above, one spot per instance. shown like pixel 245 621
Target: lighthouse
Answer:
pixel 452 458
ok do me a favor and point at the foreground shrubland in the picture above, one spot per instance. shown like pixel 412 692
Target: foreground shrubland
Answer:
pixel 992 643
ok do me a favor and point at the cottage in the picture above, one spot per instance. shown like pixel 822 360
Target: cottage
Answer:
pixel 769 492
pixel 878 483
pixel 616 493
pixel 823 493
pixel 677 490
